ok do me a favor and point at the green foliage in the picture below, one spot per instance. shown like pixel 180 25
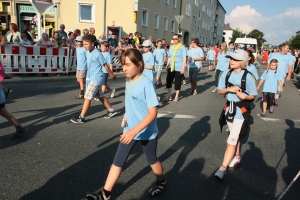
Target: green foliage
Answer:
pixel 259 37
pixel 295 43
pixel 237 33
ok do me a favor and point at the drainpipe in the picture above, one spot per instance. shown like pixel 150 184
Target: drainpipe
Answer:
pixel 104 17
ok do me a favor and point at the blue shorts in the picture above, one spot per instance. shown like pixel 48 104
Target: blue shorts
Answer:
pixel 2 97
pixel 210 62
pixel 104 80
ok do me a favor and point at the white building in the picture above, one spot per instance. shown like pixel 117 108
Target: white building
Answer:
pixel 228 33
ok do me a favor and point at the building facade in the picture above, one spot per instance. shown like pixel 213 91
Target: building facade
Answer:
pixel 228 33
pixel 203 19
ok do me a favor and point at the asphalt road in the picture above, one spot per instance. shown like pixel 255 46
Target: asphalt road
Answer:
pixel 57 159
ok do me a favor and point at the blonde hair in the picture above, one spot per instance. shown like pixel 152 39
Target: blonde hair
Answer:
pixel 243 65
pixel 224 45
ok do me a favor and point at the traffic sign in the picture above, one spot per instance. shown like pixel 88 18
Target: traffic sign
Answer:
pixel 42 5
pixel 178 18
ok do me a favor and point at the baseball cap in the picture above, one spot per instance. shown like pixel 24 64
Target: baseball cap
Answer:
pixel 239 55
pixel 147 43
pixel 78 39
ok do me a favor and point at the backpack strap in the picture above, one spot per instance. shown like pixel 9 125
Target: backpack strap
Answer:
pixel 243 80
pixel 227 84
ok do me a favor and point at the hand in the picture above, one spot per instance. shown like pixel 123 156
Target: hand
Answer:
pixel 281 89
pixel 288 77
pixel 113 77
pixel 257 88
pixel 182 71
pixel 216 70
pixel 234 89
pixel 127 137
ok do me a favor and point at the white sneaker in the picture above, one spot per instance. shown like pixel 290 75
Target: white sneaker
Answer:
pixel 214 90
pixel 184 82
pixel 236 160
pixel 195 92
pixel 96 99
pixel 112 93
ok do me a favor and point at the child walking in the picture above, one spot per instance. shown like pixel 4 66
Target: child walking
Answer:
pixel 81 66
pixel 148 60
pixel 239 87
pixel 141 110
pixel 211 56
pixel 160 58
pixel 271 78
pixel 95 63
pixel 250 65
pixel 4 112
pixel 104 50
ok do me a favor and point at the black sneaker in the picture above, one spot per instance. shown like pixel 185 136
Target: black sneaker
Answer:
pixel 157 188
pixel 262 114
pixel 77 120
pixel 18 134
pixel 159 84
pixel 7 93
pixel 97 196
pixel 276 103
pixel 111 114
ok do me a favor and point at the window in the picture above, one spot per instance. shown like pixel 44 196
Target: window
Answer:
pixel 195 20
pixel 86 12
pixel 188 8
pixel 167 2
pixel 174 3
pixel 145 14
pixel 156 21
pixel 196 3
pixel 203 8
pixel 165 23
pixel 173 26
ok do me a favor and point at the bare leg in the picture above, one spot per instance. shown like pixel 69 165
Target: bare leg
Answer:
pixel 169 92
pixel 229 153
pixel 177 94
pixel 86 106
pixel 265 106
pixel 158 170
pixel 112 178
pixel 4 112
pixel 105 102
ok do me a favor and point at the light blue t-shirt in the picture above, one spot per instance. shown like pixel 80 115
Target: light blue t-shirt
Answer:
pixel 138 99
pixel 271 80
pixel 236 79
pixel 95 62
pixel 81 58
pixel 148 61
pixel 284 61
pixel 180 55
pixel 211 54
pixel 251 68
pixel 195 53
pixel 230 51
pixel 159 55
pixel 107 59
pixel 222 61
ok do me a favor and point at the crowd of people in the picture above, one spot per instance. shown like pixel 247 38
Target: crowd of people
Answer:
pixel 235 78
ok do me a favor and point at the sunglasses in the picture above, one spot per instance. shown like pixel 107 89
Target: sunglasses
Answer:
pixel 146 47
pixel 234 59
pixel 174 38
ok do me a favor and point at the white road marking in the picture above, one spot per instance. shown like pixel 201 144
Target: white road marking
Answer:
pixel 173 115
pixel 275 120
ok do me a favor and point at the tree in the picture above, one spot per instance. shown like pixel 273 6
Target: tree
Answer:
pixel 295 44
pixel 235 34
pixel 259 37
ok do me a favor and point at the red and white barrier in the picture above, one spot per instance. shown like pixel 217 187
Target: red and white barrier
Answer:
pixel 36 59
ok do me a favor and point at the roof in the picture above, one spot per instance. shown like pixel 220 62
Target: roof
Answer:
pixel 227 27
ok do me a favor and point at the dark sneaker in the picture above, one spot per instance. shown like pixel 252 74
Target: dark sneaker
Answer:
pixel 157 188
pixel 77 120
pixel 276 103
pixel 111 114
pixel 271 109
pixel 220 174
pixel 18 134
pixel 97 196
pixel 7 93
pixel 191 92
pixel 262 114
pixel 159 84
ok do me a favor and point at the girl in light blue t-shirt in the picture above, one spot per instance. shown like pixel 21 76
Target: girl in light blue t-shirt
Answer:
pixel 140 125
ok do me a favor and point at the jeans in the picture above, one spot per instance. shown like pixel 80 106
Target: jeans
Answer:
pixel 217 77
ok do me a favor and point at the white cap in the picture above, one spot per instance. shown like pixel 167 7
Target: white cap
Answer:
pixel 147 43
pixel 239 55
pixel 78 39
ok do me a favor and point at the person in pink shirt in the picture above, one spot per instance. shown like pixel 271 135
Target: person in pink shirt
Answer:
pixel 45 42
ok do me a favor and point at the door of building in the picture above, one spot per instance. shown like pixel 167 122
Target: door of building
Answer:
pixel 4 23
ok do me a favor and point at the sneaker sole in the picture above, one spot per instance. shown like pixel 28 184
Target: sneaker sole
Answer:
pixel 76 122
pixel 15 136
pixel 235 164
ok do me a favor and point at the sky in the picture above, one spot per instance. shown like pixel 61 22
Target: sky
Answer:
pixel 278 20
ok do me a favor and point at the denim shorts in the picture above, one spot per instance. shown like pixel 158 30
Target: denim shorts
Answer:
pixel 193 73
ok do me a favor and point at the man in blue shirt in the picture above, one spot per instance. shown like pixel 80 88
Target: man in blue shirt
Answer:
pixel 62 32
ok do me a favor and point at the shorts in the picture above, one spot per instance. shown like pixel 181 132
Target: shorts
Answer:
pixel 158 69
pixel 193 73
pixel 234 131
pixel 93 90
pixel 149 149
pixel 170 78
pixel 278 87
pixel 210 62
pixel 2 97
pixel 104 79
pixel 268 97
pixel 80 73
